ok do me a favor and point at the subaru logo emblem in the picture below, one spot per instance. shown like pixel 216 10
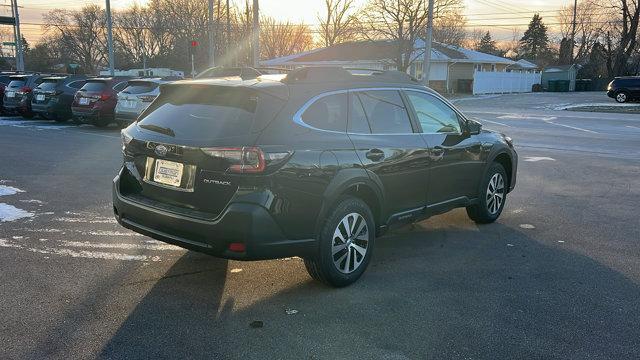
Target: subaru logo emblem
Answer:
pixel 161 150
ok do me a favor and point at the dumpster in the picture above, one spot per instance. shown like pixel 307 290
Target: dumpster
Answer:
pixel 563 85
pixel 465 86
pixel 552 85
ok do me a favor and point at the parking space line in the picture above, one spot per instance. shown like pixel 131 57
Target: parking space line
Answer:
pixel 571 127
pixel 494 122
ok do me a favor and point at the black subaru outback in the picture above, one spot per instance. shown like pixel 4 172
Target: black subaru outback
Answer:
pixel 314 164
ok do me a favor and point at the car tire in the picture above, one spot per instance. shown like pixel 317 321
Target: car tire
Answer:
pixel 491 197
pixel 622 97
pixel 339 260
pixel 60 118
pixel 29 115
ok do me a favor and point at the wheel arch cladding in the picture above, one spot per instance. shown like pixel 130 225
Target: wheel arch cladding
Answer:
pixel 365 193
pixel 505 160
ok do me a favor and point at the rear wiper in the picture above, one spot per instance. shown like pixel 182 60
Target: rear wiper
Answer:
pixel 160 129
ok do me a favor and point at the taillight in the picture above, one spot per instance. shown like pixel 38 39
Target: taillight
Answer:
pixel 105 96
pixel 242 160
pixel 24 90
pixel 147 98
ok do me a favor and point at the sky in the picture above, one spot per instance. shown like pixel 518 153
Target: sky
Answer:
pixel 498 16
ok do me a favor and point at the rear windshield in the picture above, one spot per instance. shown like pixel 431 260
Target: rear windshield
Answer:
pixel 140 87
pixel 16 83
pixel 48 85
pixel 94 86
pixel 203 113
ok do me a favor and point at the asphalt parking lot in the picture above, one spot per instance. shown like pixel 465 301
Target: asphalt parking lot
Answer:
pixel 557 277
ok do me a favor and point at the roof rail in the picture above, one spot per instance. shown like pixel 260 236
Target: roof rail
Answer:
pixel 340 74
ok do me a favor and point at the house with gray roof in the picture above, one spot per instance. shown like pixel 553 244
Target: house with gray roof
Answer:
pixel 452 67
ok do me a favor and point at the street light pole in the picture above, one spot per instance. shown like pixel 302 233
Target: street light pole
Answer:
pixel 426 62
pixel 110 38
pixel 18 36
pixel 211 36
pixel 256 34
pixel 573 31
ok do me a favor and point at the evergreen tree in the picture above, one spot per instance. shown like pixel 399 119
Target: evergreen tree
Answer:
pixel 535 42
pixel 487 44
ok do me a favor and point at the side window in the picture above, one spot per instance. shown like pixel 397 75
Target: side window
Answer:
pixel 120 86
pixel 434 115
pixel 328 113
pixel 386 112
pixel 358 122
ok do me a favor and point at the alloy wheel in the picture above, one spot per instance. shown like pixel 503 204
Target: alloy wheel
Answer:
pixel 621 97
pixel 350 243
pixel 495 193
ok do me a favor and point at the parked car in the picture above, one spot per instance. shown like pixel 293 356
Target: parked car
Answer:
pixel 624 88
pixel 315 165
pixel 18 94
pixel 136 97
pixel 243 72
pixel 95 102
pixel 5 79
pixel 53 97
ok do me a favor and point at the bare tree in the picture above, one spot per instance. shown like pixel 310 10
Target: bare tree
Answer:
pixel 337 25
pixel 402 21
pixel 590 18
pixel 283 38
pixel 449 29
pixel 81 33
pixel 629 15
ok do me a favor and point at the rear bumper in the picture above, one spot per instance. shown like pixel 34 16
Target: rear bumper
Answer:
pixel 87 115
pixel 16 107
pixel 247 223
pixel 49 108
pixel 126 117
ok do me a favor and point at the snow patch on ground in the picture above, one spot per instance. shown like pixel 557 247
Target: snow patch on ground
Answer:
pixel 80 253
pixel 38 125
pixel 609 104
pixel 124 246
pixel 12 213
pixel 9 190
pixel 100 220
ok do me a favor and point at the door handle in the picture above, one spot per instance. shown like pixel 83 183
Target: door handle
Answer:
pixel 375 154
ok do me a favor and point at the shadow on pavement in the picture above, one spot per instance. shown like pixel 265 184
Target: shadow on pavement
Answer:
pixel 431 292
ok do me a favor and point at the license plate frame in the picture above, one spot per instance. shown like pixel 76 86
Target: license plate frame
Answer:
pixel 168 173
pixel 83 101
pixel 10 94
pixel 40 97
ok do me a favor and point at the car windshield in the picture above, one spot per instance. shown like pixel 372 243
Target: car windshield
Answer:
pixel 48 85
pixel 16 83
pixel 203 113
pixel 94 86
pixel 140 87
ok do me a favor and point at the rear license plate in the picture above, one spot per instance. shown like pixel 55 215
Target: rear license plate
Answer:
pixel 129 104
pixel 83 101
pixel 40 97
pixel 11 94
pixel 168 172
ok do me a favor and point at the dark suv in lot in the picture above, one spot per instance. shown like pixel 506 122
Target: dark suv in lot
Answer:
pixel 314 164
pixel 96 101
pixel 624 88
pixel 53 97
pixel 19 92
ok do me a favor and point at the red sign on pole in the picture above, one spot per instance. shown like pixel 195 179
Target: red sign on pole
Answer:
pixel 194 43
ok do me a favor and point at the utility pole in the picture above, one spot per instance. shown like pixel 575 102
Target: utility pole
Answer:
pixel 110 38
pixel 211 36
pixel 227 35
pixel 18 36
pixel 256 34
pixel 573 30
pixel 426 62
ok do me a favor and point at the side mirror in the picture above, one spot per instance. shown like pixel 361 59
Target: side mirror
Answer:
pixel 473 127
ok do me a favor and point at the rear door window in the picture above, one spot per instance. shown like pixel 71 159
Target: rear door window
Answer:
pixel 94 86
pixel 385 111
pixel 76 84
pixel 120 86
pixel 358 123
pixel 328 113
pixel 140 87
pixel 203 113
